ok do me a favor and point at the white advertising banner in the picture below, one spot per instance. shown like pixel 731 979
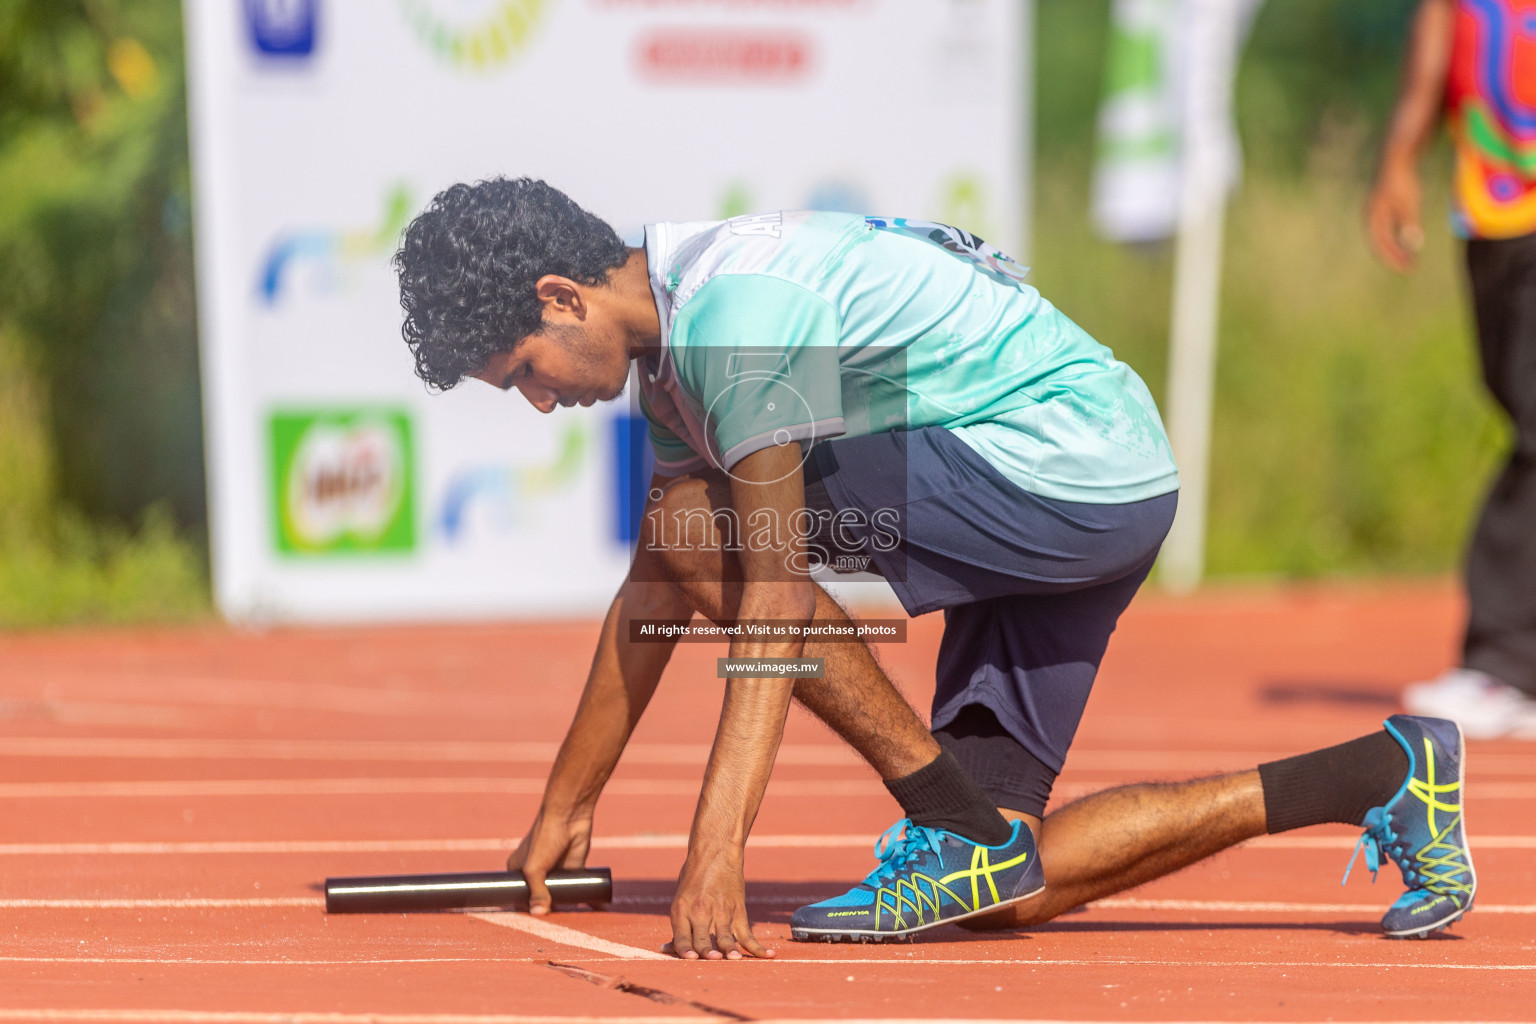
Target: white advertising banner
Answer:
pixel 340 489
pixel 1166 123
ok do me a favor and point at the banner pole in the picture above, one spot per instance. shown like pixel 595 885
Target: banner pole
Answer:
pixel 1191 387
pixel 1215 32
pixel 1026 85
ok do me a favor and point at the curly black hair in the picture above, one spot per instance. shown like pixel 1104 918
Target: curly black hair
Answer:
pixel 468 266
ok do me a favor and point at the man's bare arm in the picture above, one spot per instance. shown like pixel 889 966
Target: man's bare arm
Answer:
pixel 709 914
pixel 1394 211
pixel 620 684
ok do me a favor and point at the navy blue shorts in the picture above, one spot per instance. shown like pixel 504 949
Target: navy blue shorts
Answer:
pixel 1031 587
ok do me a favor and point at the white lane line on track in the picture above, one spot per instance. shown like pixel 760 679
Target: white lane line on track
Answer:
pixel 303 1017
pixel 365 786
pixel 615 952
pixel 901 962
pixel 171 903
pixel 382 750
pixel 655 841
pixel 1126 903
pixel 540 928
pixel 204 961
pixel 321 1017
pixel 508 918
pixel 1077 788
pixel 118 849
pixel 1203 963
pixel 214 693
pixel 1263 907
pixel 400 786
pixel 1479 842
pixel 1081 759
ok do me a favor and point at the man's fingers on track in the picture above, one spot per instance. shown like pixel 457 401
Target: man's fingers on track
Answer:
pixel 757 949
pixel 670 948
pixel 725 946
pixel 749 943
pixel 682 942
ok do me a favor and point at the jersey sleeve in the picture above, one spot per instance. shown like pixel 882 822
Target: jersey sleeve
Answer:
pixel 760 355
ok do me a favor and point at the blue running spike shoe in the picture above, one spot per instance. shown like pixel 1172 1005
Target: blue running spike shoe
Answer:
pixel 927 877
pixel 1423 831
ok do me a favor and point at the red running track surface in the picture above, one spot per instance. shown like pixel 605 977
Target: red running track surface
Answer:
pixel 170 802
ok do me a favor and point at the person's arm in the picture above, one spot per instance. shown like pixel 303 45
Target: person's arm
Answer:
pixel 709 911
pixel 1394 210
pixel 620 684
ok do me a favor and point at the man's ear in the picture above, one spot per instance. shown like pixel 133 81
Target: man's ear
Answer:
pixel 561 298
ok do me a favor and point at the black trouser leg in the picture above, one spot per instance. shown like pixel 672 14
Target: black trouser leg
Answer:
pixel 1501 560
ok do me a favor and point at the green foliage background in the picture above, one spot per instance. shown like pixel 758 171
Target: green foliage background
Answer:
pixel 1351 434
pixel 101 508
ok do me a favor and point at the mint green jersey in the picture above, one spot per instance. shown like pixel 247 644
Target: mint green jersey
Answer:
pixel 805 326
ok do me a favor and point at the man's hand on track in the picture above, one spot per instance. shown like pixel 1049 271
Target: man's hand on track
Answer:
pixel 554 841
pixel 709 913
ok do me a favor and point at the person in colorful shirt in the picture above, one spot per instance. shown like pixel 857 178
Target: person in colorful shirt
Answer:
pixel 1474 61
pixel 832 391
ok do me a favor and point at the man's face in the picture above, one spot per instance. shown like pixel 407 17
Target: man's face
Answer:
pixel 565 364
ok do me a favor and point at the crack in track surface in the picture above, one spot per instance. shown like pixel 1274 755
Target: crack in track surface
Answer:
pixel 617 983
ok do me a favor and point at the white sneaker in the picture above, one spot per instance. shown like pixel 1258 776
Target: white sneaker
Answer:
pixel 1484 707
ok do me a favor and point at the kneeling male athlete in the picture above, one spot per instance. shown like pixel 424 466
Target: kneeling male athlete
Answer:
pixel 897 390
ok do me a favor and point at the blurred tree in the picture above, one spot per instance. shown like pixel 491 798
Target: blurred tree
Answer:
pixel 1351 435
pixel 95 246
pixel 1314 64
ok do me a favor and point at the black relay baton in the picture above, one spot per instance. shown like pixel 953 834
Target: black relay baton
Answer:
pixel 398 894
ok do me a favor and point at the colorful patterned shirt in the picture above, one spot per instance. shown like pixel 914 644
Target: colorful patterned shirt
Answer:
pixel 803 326
pixel 1491 108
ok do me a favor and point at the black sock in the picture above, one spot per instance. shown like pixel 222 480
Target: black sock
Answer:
pixel 1337 783
pixel 943 796
pixel 1006 771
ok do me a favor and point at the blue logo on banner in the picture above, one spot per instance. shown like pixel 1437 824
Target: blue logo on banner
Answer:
pixel 282 28
pixel 633 462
